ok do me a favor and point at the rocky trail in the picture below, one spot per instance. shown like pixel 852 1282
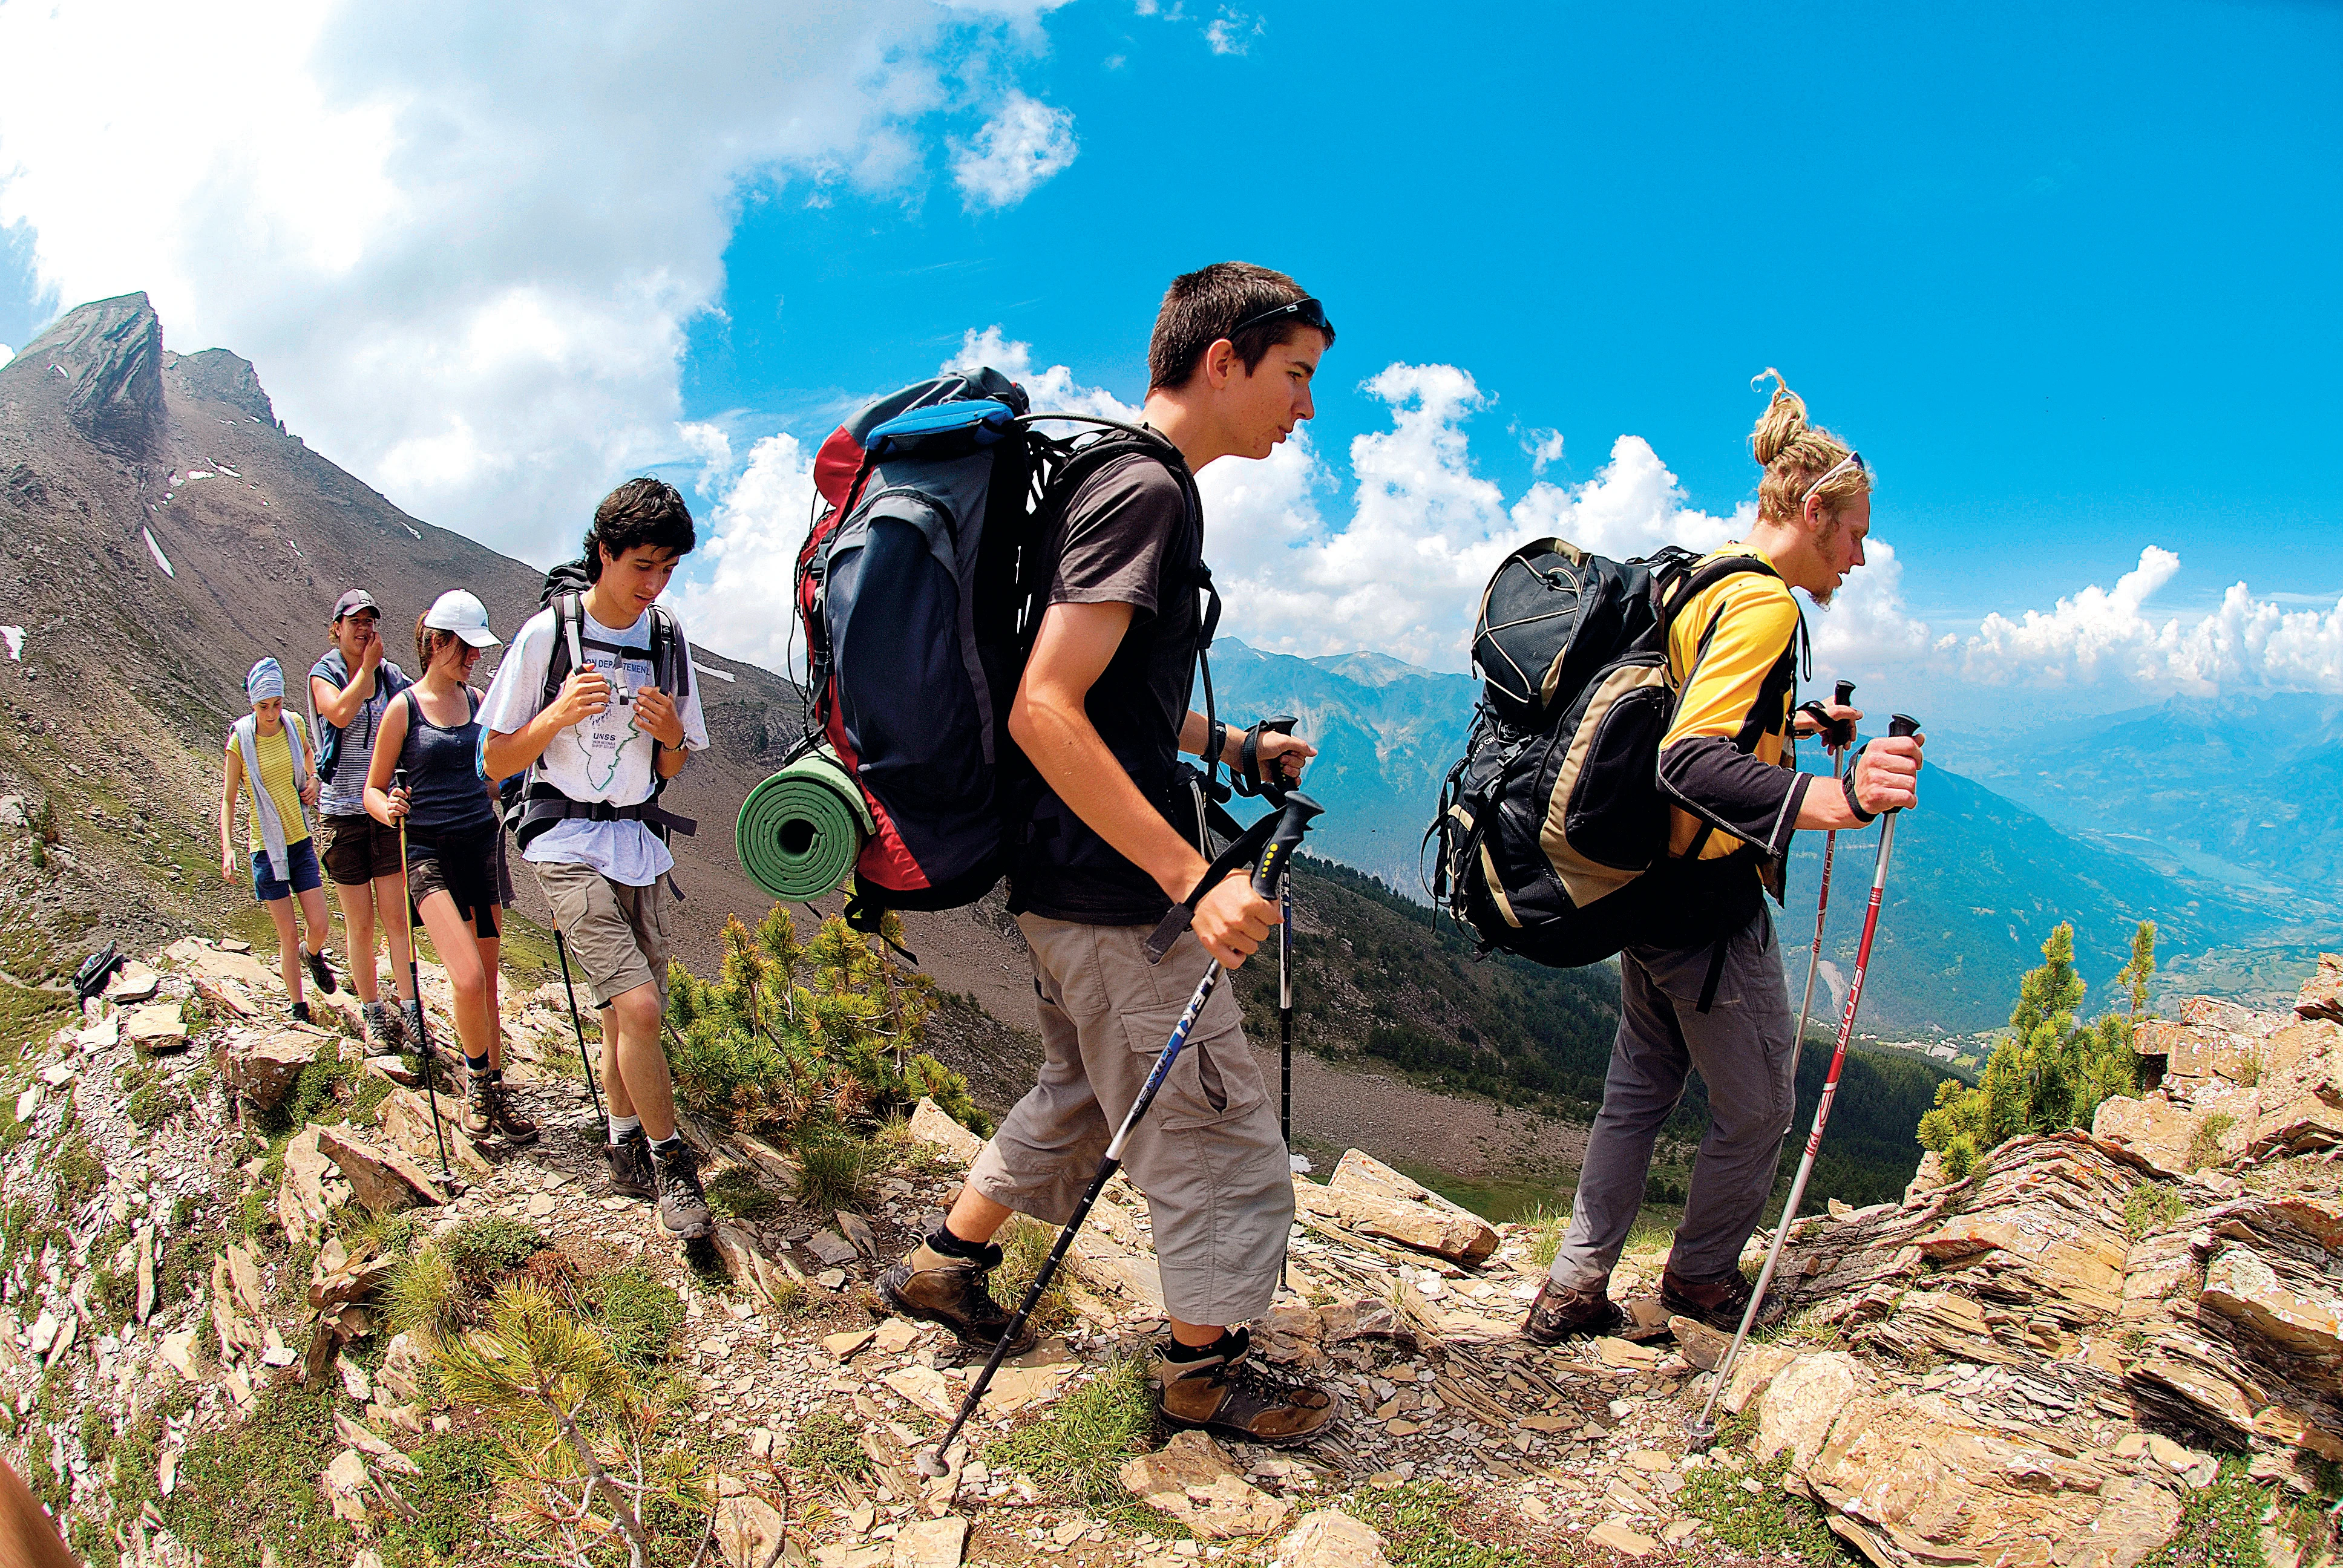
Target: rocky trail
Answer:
pixel 215 1220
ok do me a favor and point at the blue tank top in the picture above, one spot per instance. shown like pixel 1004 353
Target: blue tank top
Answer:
pixel 445 799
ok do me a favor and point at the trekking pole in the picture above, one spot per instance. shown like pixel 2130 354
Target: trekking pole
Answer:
pixel 415 979
pixel 561 950
pixel 1291 821
pixel 1837 748
pixel 1702 1427
pixel 1285 1014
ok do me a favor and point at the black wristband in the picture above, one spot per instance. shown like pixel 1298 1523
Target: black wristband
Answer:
pixel 1862 817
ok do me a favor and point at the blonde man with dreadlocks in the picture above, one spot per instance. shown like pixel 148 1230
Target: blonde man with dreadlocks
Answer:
pixel 1700 984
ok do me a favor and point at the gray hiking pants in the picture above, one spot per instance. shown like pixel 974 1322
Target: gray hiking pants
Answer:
pixel 1742 1047
pixel 1219 1186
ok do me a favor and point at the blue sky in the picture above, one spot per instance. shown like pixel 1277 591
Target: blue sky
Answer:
pixel 2064 274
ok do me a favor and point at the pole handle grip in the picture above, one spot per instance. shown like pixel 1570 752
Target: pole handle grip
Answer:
pixel 1904 724
pixel 1844 693
pixel 1293 822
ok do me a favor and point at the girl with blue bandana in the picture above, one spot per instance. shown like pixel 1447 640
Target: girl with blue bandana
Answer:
pixel 271 764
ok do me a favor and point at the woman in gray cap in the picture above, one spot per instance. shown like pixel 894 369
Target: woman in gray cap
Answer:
pixel 350 689
pixel 268 752
pixel 456 873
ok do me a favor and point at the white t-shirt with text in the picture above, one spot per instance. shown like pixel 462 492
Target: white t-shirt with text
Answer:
pixel 606 758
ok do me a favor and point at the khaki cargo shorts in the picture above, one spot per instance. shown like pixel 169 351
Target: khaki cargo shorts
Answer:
pixel 1219 1186
pixel 617 935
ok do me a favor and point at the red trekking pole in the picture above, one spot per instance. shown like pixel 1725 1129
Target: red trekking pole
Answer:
pixel 1702 1427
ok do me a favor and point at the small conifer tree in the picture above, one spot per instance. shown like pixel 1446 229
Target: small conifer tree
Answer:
pixel 2049 1071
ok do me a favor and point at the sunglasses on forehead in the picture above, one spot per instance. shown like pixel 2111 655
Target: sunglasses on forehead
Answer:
pixel 1303 312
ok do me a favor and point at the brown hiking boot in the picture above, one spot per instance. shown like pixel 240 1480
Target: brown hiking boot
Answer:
pixel 511 1124
pixel 1718 1302
pixel 1566 1312
pixel 682 1202
pixel 937 1287
pixel 1226 1393
pixel 630 1161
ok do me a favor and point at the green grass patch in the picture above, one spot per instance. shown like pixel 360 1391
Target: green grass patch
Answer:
pixel 2152 1208
pixel 1772 1523
pixel 28 1017
pixel 423 1294
pixel 2220 1525
pixel 826 1449
pixel 2205 1145
pixel 735 1192
pixel 80 1172
pixel 487 1249
pixel 1492 1198
pixel 1025 1245
pixel 1414 1520
pixel 449 1497
pixel 252 1488
pixel 636 1312
pixel 831 1175
pixel 1077 1447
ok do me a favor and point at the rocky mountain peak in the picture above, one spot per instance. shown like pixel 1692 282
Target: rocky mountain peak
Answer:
pixel 107 359
pixel 222 377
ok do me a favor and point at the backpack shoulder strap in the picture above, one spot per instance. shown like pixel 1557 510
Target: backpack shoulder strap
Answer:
pixel 670 672
pixel 566 654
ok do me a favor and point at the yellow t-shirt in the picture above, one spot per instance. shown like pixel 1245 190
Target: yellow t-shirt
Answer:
pixel 276 754
pixel 1726 755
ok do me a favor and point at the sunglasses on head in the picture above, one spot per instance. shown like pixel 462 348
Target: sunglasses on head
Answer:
pixel 1303 312
pixel 1852 460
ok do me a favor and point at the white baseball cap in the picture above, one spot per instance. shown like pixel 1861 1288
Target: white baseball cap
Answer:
pixel 463 614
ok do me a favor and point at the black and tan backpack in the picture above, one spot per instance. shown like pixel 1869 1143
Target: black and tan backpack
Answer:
pixel 1554 812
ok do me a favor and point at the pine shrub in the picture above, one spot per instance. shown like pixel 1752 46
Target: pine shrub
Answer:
pixel 2050 1072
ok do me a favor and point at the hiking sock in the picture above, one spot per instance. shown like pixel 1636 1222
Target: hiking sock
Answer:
pixel 622 1127
pixel 943 1241
pixel 478 1067
pixel 669 1144
pixel 1226 1345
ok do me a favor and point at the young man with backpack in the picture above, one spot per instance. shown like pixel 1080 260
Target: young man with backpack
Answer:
pixel 1101 712
pixel 600 741
pixel 350 688
pixel 1700 980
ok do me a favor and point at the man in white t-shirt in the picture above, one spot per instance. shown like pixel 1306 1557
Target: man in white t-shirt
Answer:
pixel 589 833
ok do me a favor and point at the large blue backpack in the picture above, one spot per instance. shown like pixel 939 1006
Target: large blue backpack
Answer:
pixel 919 588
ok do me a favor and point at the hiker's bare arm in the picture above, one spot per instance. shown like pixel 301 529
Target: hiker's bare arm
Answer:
pixel 585 694
pixel 1050 721
pixel 1285 755
pixel 337 705
pixel 383 803
pixel 1886 779
pixel 655 715
pixel 232 781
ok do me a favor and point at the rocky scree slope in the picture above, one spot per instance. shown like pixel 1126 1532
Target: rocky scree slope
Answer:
pixel 2093 1349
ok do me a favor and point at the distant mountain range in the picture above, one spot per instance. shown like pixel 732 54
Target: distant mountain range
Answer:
pixel 2108 831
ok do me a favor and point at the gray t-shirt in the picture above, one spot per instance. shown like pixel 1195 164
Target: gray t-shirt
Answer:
pixel 344 795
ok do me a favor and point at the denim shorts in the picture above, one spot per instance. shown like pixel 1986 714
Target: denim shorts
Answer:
pixel 305 877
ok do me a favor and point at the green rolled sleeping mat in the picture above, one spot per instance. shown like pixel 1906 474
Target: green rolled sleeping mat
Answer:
pixel 800 829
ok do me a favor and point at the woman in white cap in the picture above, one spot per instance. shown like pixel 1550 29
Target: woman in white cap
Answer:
pixel 268 752
pixel 456 875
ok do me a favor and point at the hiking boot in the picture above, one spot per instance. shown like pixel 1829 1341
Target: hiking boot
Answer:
pixel 478 1116
pixel 1566 1312
pixel 682 1202
pixel 410 1020
pixel 630 1161
pixel 382 1026
pixel 1718 1302
pixel 938 1288
pixel 320 971
pixel 300 1010
pixel 507 1123
pixel 1226 1393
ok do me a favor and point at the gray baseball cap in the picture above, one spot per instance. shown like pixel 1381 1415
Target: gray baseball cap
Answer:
pixel 356 600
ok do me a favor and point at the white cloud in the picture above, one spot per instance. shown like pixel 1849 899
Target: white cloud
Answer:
pixel 2100 634
pixel 1014 152
pixel 740 600
pixel 714 445
pixel 1231 32
pixel 1544 449
pixel 463 245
